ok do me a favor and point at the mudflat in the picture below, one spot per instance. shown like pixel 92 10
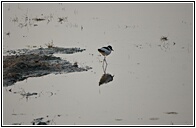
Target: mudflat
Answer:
pixel 23 63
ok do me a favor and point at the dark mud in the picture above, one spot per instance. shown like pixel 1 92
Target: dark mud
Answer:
pixel 21 64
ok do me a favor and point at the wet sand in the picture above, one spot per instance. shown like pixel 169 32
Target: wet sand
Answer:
pixel 148 79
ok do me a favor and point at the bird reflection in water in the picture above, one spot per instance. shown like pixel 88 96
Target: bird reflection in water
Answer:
pixel 106 77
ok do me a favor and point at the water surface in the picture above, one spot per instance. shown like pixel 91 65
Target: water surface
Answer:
pixel 153 78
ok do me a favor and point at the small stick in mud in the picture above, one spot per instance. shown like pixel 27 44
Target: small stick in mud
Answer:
pixel 50 45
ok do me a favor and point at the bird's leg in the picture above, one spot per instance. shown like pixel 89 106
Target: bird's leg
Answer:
pixel 106 62
pixel 103 64
pixel 104 59
pixel 104 69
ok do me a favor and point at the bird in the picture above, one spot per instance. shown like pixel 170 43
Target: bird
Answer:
pixel 105 51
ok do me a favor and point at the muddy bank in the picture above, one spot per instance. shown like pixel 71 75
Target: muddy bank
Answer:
pixel 23 63
pixel 44 51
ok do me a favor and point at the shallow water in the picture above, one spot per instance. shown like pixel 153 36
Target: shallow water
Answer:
pixel 153 79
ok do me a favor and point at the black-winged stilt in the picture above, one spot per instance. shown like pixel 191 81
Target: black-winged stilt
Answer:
pixel 105 51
